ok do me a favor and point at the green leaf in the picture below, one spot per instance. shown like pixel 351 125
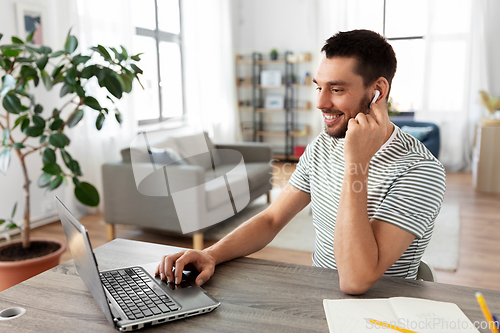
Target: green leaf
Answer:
pixel 42 62
pixel 33 131
pixel 56 54
pixel 58 140
pixel 100 121
pixel 124 52
pixel 70 77
pixel 52 168
pixel 71 44
pixel 80 59
pixel 45 49
pixel 28 72
pixel 44 179
pixel 25 124
pixel 5 160
pixel 38 121
pixel 136 57
pixel 36 80
pixel 5 63
pixel 56 124
pixel 126 82
pixel 5 136
pixel 38 109
pixel 14 210
pixel 92 102
pixel 43 138
pixel 24 60
pixel 49 156
pixel 56 71
pixel 47 82
pixel 11 52
pixel 79 90
pixel 16 40
pixel 76 181
pixel 75 168
pixel 30 36
pixel 102 51
pixel 88 72
pixel 136 69
pixel 11 103
pixel 113 84
pixel 66 157
pixel 117 54
pixel 18 145
pixel 19 120
pixel 87 194
pixel 8 83
pixel 32 49
pixel 118 116
pixel 64 90
pixel 56 182
pixel 75 119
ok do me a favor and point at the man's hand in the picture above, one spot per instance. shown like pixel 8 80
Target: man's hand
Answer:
pixel 366 134
pixel 202 260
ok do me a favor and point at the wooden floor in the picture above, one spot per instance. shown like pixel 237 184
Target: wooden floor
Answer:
pixel 479 264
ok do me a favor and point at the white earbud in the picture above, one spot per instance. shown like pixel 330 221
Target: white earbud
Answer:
pixel 377 94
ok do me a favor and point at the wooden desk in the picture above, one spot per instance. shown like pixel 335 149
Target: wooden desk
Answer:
pixel 256 296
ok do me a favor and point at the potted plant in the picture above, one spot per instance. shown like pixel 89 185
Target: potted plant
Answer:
pixel 273 54
pixel 24 66
pixel 492 104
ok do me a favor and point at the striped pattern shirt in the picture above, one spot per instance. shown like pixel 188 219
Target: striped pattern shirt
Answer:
pixel 406 186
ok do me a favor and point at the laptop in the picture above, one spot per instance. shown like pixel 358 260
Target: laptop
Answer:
pixel 132 297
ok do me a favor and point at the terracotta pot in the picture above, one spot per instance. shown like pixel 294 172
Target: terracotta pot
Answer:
pixel 14 272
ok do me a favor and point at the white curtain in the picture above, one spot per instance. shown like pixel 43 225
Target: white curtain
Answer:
pixel 210 94
pixel 108 23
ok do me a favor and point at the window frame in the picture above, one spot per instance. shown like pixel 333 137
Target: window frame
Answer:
pixel 163 36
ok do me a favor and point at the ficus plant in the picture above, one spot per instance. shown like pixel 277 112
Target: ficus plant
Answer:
pixel 24 66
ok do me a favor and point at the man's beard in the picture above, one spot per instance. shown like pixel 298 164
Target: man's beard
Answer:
pixel 339 130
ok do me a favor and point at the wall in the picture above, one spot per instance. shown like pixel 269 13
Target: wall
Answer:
pixel 59 17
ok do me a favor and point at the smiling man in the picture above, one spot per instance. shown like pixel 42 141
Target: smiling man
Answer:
pixel 374 190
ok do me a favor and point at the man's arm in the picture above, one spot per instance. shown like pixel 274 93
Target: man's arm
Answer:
pixel 248 238
pixel 364 249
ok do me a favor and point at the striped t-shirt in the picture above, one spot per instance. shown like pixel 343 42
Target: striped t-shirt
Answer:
pixel 406 185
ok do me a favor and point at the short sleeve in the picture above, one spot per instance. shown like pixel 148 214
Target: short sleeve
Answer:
pixel 300 178
pixel 415 197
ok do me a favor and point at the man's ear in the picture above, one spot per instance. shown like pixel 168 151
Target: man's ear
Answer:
pixel 382 85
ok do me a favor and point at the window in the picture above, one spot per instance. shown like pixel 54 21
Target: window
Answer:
pixel 158 36
pixel 404 26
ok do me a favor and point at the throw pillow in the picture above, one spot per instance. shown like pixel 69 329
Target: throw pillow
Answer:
pixel 419 133
pixel 167 156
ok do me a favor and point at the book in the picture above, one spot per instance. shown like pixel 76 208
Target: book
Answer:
pixel 410 314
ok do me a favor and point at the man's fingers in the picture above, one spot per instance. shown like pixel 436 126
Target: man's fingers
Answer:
pixel 203 277
pixel 378 114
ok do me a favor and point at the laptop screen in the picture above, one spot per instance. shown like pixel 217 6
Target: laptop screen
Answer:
pixel 83 256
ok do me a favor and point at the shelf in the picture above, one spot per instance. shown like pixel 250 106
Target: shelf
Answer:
pixel 297 133
pixel 249 85
pixel 263 110
pixel 293 59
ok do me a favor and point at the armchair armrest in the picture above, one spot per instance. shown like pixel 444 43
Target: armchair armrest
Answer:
pixel 251 151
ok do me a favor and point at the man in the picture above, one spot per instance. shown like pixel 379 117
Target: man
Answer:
pixel 374 190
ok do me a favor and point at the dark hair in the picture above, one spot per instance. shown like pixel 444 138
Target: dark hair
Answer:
pixel 375 56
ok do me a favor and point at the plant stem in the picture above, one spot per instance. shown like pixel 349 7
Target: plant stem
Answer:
pixel 26 187
pixel 71 115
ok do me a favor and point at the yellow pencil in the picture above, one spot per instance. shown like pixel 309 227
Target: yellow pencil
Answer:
pixel 486 312
pixel 385 324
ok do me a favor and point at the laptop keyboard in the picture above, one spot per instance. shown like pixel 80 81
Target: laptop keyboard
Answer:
pixel 131 290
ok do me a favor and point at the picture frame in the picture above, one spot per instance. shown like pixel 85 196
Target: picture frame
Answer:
pixel 269 78
pixel 31 16
pixel 274 102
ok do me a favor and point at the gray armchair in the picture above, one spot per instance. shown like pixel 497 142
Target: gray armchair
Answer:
pixel 124 203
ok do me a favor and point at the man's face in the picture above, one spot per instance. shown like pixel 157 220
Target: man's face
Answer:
pixel 341 94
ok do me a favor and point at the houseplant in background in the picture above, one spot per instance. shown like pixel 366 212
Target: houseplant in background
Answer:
pixel 27 129
pixel 273 54
pixel 493 105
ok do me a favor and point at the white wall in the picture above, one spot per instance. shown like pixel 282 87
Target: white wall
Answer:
pixel 58 20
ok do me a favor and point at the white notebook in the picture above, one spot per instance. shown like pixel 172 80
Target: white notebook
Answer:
pixel 414 314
